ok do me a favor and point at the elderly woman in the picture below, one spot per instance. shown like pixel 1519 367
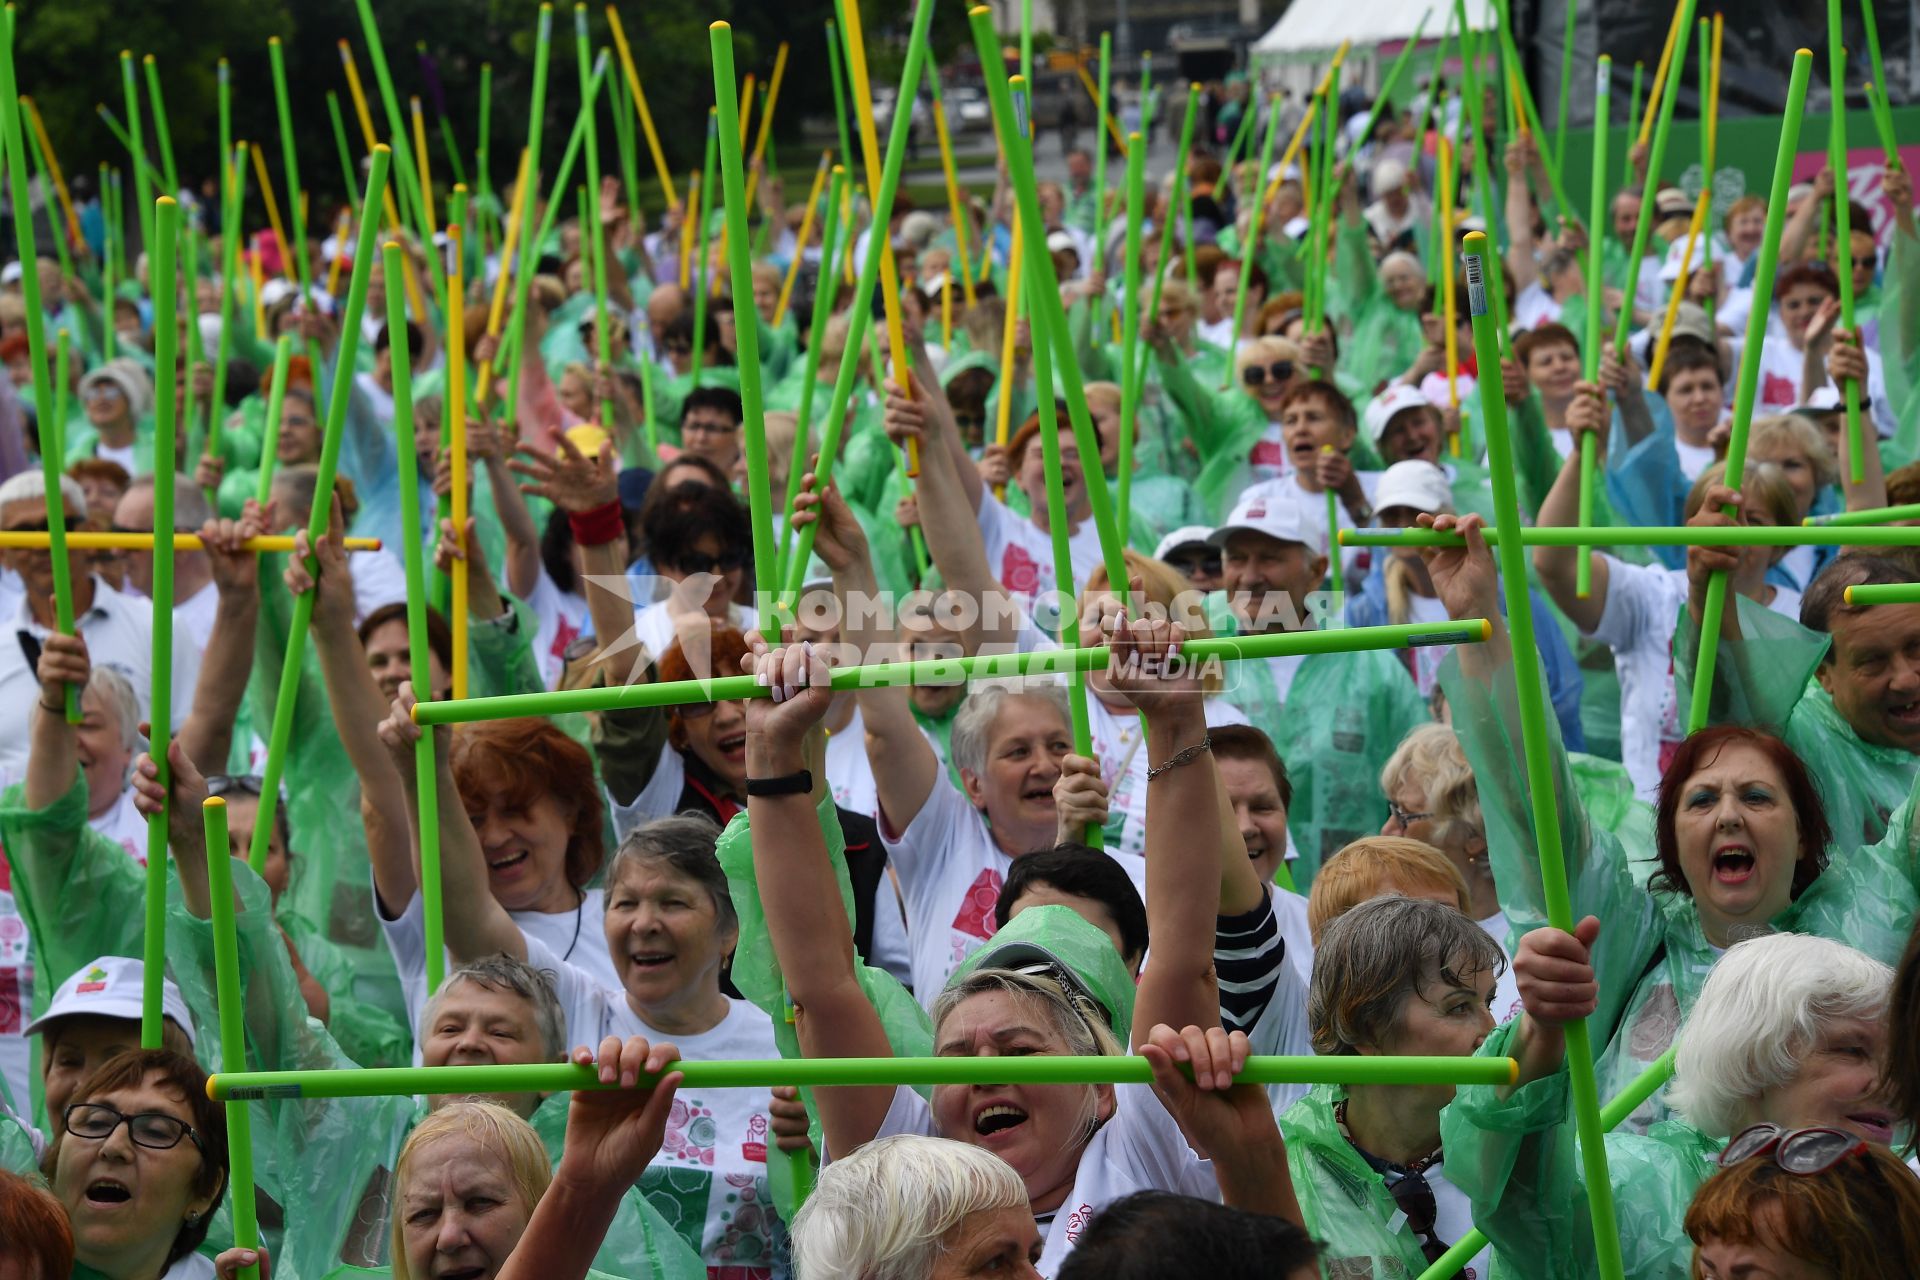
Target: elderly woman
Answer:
pixel 1074 1147
pixel 1788 1031
pixel 1235 425
pixel 140 1163
pixel 1741 834
pixel 668 931
pixel 117 396
pixel 1806 1202
pixel 1395 976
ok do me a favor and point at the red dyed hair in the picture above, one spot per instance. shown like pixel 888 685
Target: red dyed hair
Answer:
pixel 515 762
pixel 1700 750
pixel 33 1227
pixel 726 656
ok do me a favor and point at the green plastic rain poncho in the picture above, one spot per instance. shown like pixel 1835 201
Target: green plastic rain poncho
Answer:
pixel 1380 340
pixel 1653 956
pixel 1516 1158
pixel 1336 727
pixel 16 1147
pixel 1345 1203
pixel 1767 678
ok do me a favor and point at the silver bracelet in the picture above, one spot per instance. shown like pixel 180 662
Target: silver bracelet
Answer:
pixel 1186 755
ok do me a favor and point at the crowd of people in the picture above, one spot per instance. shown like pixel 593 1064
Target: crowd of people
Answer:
pixel 1331 854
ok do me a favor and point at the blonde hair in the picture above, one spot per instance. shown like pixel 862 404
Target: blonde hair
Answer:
pixel 1765 483
pixel 488 1123
pixel 1799 432
pixel 885 1211
pixel 1376 865
pixel 1108 391
pixel 1263 350
pixel 1432 754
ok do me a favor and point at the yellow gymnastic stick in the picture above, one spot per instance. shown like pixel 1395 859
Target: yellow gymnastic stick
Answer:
pixel 79 540
pixel 372 140
pixel 687 225
pixel 806 224
pixel 1660 74
pixel 1449 314
pixel 273 206
pixel 766 124
pixel 640 105
pixel 53 170
pixel 420 149
pixel 1299 138
pixel 1003 417
pixel 497 312
pixel 457 443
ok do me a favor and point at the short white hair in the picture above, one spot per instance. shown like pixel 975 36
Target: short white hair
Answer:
pixel 31 485
pixel 1763 1007
pixel 884 1212
pixel 119 701
pixel 974 722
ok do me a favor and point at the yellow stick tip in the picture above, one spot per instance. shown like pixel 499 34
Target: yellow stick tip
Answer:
pixel 713 26
pixel 414 713
pixel 1803 53
pixel 214 802
pixel 1513 1072
pixel 1849 595
pixel 1475 241
pixel 211 1096
pixel 148 59
pixel 1486 629
pixel 381 148
pixel 1193 86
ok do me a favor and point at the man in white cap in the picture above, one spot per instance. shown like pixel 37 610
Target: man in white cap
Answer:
pixel 1337 715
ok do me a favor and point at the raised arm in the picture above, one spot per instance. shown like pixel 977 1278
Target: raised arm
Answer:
pixel 806 919
pixel 1523 267
pixel 1558 567
pixel 588 490
pixel 207 733
pixel 53 747
pixel 476 924
pixel 1846 361
pixel 1797 238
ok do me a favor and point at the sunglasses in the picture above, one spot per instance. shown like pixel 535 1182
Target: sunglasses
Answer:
pixel 154 1130
pixel 228 784
pixel 1413 1195
pixel 701 710
pixel 1193 566
pixel 699 562
pixel 678 346
pixel 1803 1152
pixel 1255 375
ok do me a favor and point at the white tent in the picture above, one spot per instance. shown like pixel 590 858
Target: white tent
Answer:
pixel 1298 45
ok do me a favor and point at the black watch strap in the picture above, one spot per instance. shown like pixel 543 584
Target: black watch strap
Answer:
pixel 798 783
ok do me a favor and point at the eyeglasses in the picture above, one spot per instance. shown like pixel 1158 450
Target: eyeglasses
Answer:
pixel 1255 375
pixel 1803 1152
pixel 709 426
pixel 104 391
pixel 1413 1196
pixel 692 562
pixel 227 784
pixel 154 1130
pixel 1402 816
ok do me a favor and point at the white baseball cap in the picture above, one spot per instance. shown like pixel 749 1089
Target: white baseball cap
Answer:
pixel 1062 241
pixel 1383 408
pixel 110 987
pixel 1187 536
pixel 1278 520
pixel 1414 483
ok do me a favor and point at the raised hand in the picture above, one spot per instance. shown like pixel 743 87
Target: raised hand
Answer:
pixel 63 661
pixel 614 1134
pixel 801 682
pixel 1080 798
pixel 1554 972
pixel 838 539
pixel 1145 665
pixel 1845 359
pixel 235 569
pixel 1464 576
pixel 568 478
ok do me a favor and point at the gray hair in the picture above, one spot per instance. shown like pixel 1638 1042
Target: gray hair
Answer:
pixel 685 844
pixel 974 721
pixel 885 1211
pixel 502 973
pixel 1370 960
pixel 1430 756
pixel 1763 1008
pixel 119 701
pixel 29 485
pixel 190 510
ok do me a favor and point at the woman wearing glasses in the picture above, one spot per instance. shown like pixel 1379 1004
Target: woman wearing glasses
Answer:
pixel 1789 1033
pixel 140 1163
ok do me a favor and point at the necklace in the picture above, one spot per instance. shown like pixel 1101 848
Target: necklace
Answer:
pixel 578 910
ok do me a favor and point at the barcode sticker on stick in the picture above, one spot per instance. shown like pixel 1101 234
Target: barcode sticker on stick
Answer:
pixel 1476 284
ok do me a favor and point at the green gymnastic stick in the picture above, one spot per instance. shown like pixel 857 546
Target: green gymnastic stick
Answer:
pixel 1175 198
pixel 1745 388
pixel 598 232
pixel 1877 91
pixel 425 767
pixel 823 292
pixel 1842 229
pixel 700 253
pixel 397 134
pixel 557 1077
pixel 1877 515
pixel 233 1029
pixel 1590 352
pixel 896 675
pixel 230 186
pixel 1618 1108
pixel 529 243
pixel 224 108
pixel 136 146
pixel 1241 140
pixel 58 225
pixel 1146 94
pixel 50 459
pixel 1482 272
pixel 166 333
pixel 161 133
pixel 1387 86
pixel 838 76
pixel 1045 293
pixel 346 152
pixel 56 429
pixel 196 351
pixel 120 135
pixel 1530 114
pixel 1101 126
pixel 746 334
pixel 1885 593
pixel 1255 222
pixel 318 515
pixel 1685 535
pixel 109 251
pixel 1633 114
pixel 1132 365
pixel 1566 85
pixel 1482 175
pixel 861 314
pixel 1656 155
pixel 276 405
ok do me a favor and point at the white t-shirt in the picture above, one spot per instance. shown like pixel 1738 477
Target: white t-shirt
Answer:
pixel 562 617
pixel 123 825
pixel 195 614
pixel 1506 993
pixel 1020 552
pixel 653 625
pixel 1268 459
pixel 1638 623
pixel 950 874
pixel 579 937
pixel 1453 1218
pixel 1139 1149
pixel 1534 307
pixel 16 996
pixel 710 1178
pixel 123 456
pixel 1694 458
pixel 1781 367
pixel 1119 743
pixel 849 771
